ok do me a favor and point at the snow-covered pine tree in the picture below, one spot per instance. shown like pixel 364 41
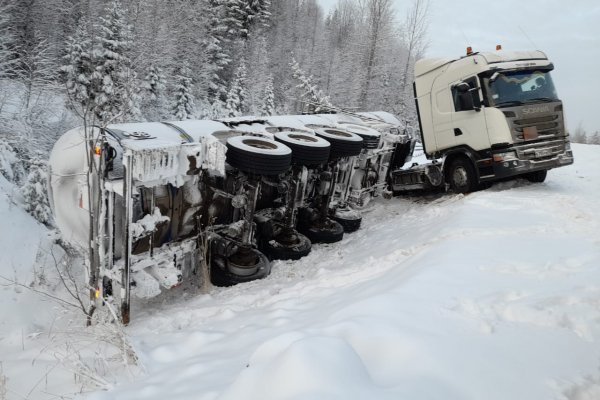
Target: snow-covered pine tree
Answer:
pixel 313 95
pixel 154 82
pixel 78 69
pixel 216 55
pixel 114 77
pixel 235 16
pixel 268 106
pixel 34 191
pixel 256 16
pixel 183 106
pixel 6 42
pixel 237 96
pixel 154 90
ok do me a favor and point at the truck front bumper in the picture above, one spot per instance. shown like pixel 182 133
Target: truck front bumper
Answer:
pixel 514 167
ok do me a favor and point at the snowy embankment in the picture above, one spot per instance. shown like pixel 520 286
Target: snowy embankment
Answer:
pixel 493 295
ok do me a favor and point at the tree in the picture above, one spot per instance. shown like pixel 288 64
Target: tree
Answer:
pixel 114 77
pixel 415 36
pixel 78 69
pixel 34 191
pixel 237 96
pixel 379 16
pixel 268 106
pixel 314 96
pixel 217 58
pixel 154 88
pixel 36 69
pixel 7 42
pixel 595 139
pixel 183 107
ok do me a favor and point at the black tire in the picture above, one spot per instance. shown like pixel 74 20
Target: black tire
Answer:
pixel 329 232
pixel 343 143
pixel 286 249
pixel 349 225
pixel 370 136
pixel 537 176
pixel 221 268
pixel 461 176
pixel 258 155
pixel 307 149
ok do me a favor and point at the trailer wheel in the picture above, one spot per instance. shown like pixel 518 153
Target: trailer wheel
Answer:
pixel 349 225
pixel 257 155
pixel 290 247
pixel 369 135
pixel 329 231
pixel 537 176
pixel 343 143
pixel 243 266
pixel 461 176
pixel 349 219
pixel 307 149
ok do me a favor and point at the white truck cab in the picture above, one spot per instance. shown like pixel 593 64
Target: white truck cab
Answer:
pixel 491 115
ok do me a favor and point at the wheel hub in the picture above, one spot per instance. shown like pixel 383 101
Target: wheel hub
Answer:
pixel 245 262
pixel 459 176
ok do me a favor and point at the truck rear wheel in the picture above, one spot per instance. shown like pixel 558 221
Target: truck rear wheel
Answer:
pixel 461 176
pixel 537 176
pixel 258 155
pixel 244 266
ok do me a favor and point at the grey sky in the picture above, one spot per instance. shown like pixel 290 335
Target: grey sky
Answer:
pixel 568 31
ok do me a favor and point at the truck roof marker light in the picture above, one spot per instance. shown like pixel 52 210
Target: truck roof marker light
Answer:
pixel 498 47
pixel 97 150
pixel 469 50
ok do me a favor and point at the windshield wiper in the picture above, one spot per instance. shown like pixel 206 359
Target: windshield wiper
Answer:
pixel 544 99
pixel 509 103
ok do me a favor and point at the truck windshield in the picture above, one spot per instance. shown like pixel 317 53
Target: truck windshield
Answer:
pixel 511 88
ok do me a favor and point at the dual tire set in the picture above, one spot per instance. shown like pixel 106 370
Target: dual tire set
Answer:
pixel 262 156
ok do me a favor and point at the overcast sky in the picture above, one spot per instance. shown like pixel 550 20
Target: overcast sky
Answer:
pixel 567 31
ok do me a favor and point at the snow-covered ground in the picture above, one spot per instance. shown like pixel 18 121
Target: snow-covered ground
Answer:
pixel 493 295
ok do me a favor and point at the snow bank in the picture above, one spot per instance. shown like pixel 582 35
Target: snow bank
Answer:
pixel 493 295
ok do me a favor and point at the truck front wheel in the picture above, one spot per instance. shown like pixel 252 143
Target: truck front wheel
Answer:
pixel 537 176
pixel 461 176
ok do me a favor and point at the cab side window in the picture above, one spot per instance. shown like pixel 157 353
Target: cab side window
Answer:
pixel 458 106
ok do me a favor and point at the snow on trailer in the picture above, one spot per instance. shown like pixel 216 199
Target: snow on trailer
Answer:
pixel 154 204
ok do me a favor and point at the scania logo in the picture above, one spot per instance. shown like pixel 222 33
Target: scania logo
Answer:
pixel 536 109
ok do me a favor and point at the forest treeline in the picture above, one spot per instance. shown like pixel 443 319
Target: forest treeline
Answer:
pixel 161 59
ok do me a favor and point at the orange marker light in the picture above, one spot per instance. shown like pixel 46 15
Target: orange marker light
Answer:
pixel 97 293
pixel 498 47
pixel 97 150
pixel 469 50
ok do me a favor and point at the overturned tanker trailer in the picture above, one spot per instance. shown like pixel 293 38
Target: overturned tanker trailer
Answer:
pixel 154 204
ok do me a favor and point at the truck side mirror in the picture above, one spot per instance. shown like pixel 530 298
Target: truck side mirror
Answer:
pixel 468 97
pixel 466 101
pixel 463 87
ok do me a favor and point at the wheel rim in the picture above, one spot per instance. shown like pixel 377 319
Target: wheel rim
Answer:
pixel 243 263
pixel 259 144
pixel 303 138
pixel 460 177
pixel 339 133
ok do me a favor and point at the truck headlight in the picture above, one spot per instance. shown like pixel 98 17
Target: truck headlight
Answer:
pixel 508 156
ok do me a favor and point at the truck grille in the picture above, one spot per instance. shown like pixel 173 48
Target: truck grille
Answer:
pixel 549 125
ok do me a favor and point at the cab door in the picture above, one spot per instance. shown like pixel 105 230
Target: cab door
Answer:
pixel 442 110
pixel 469 125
